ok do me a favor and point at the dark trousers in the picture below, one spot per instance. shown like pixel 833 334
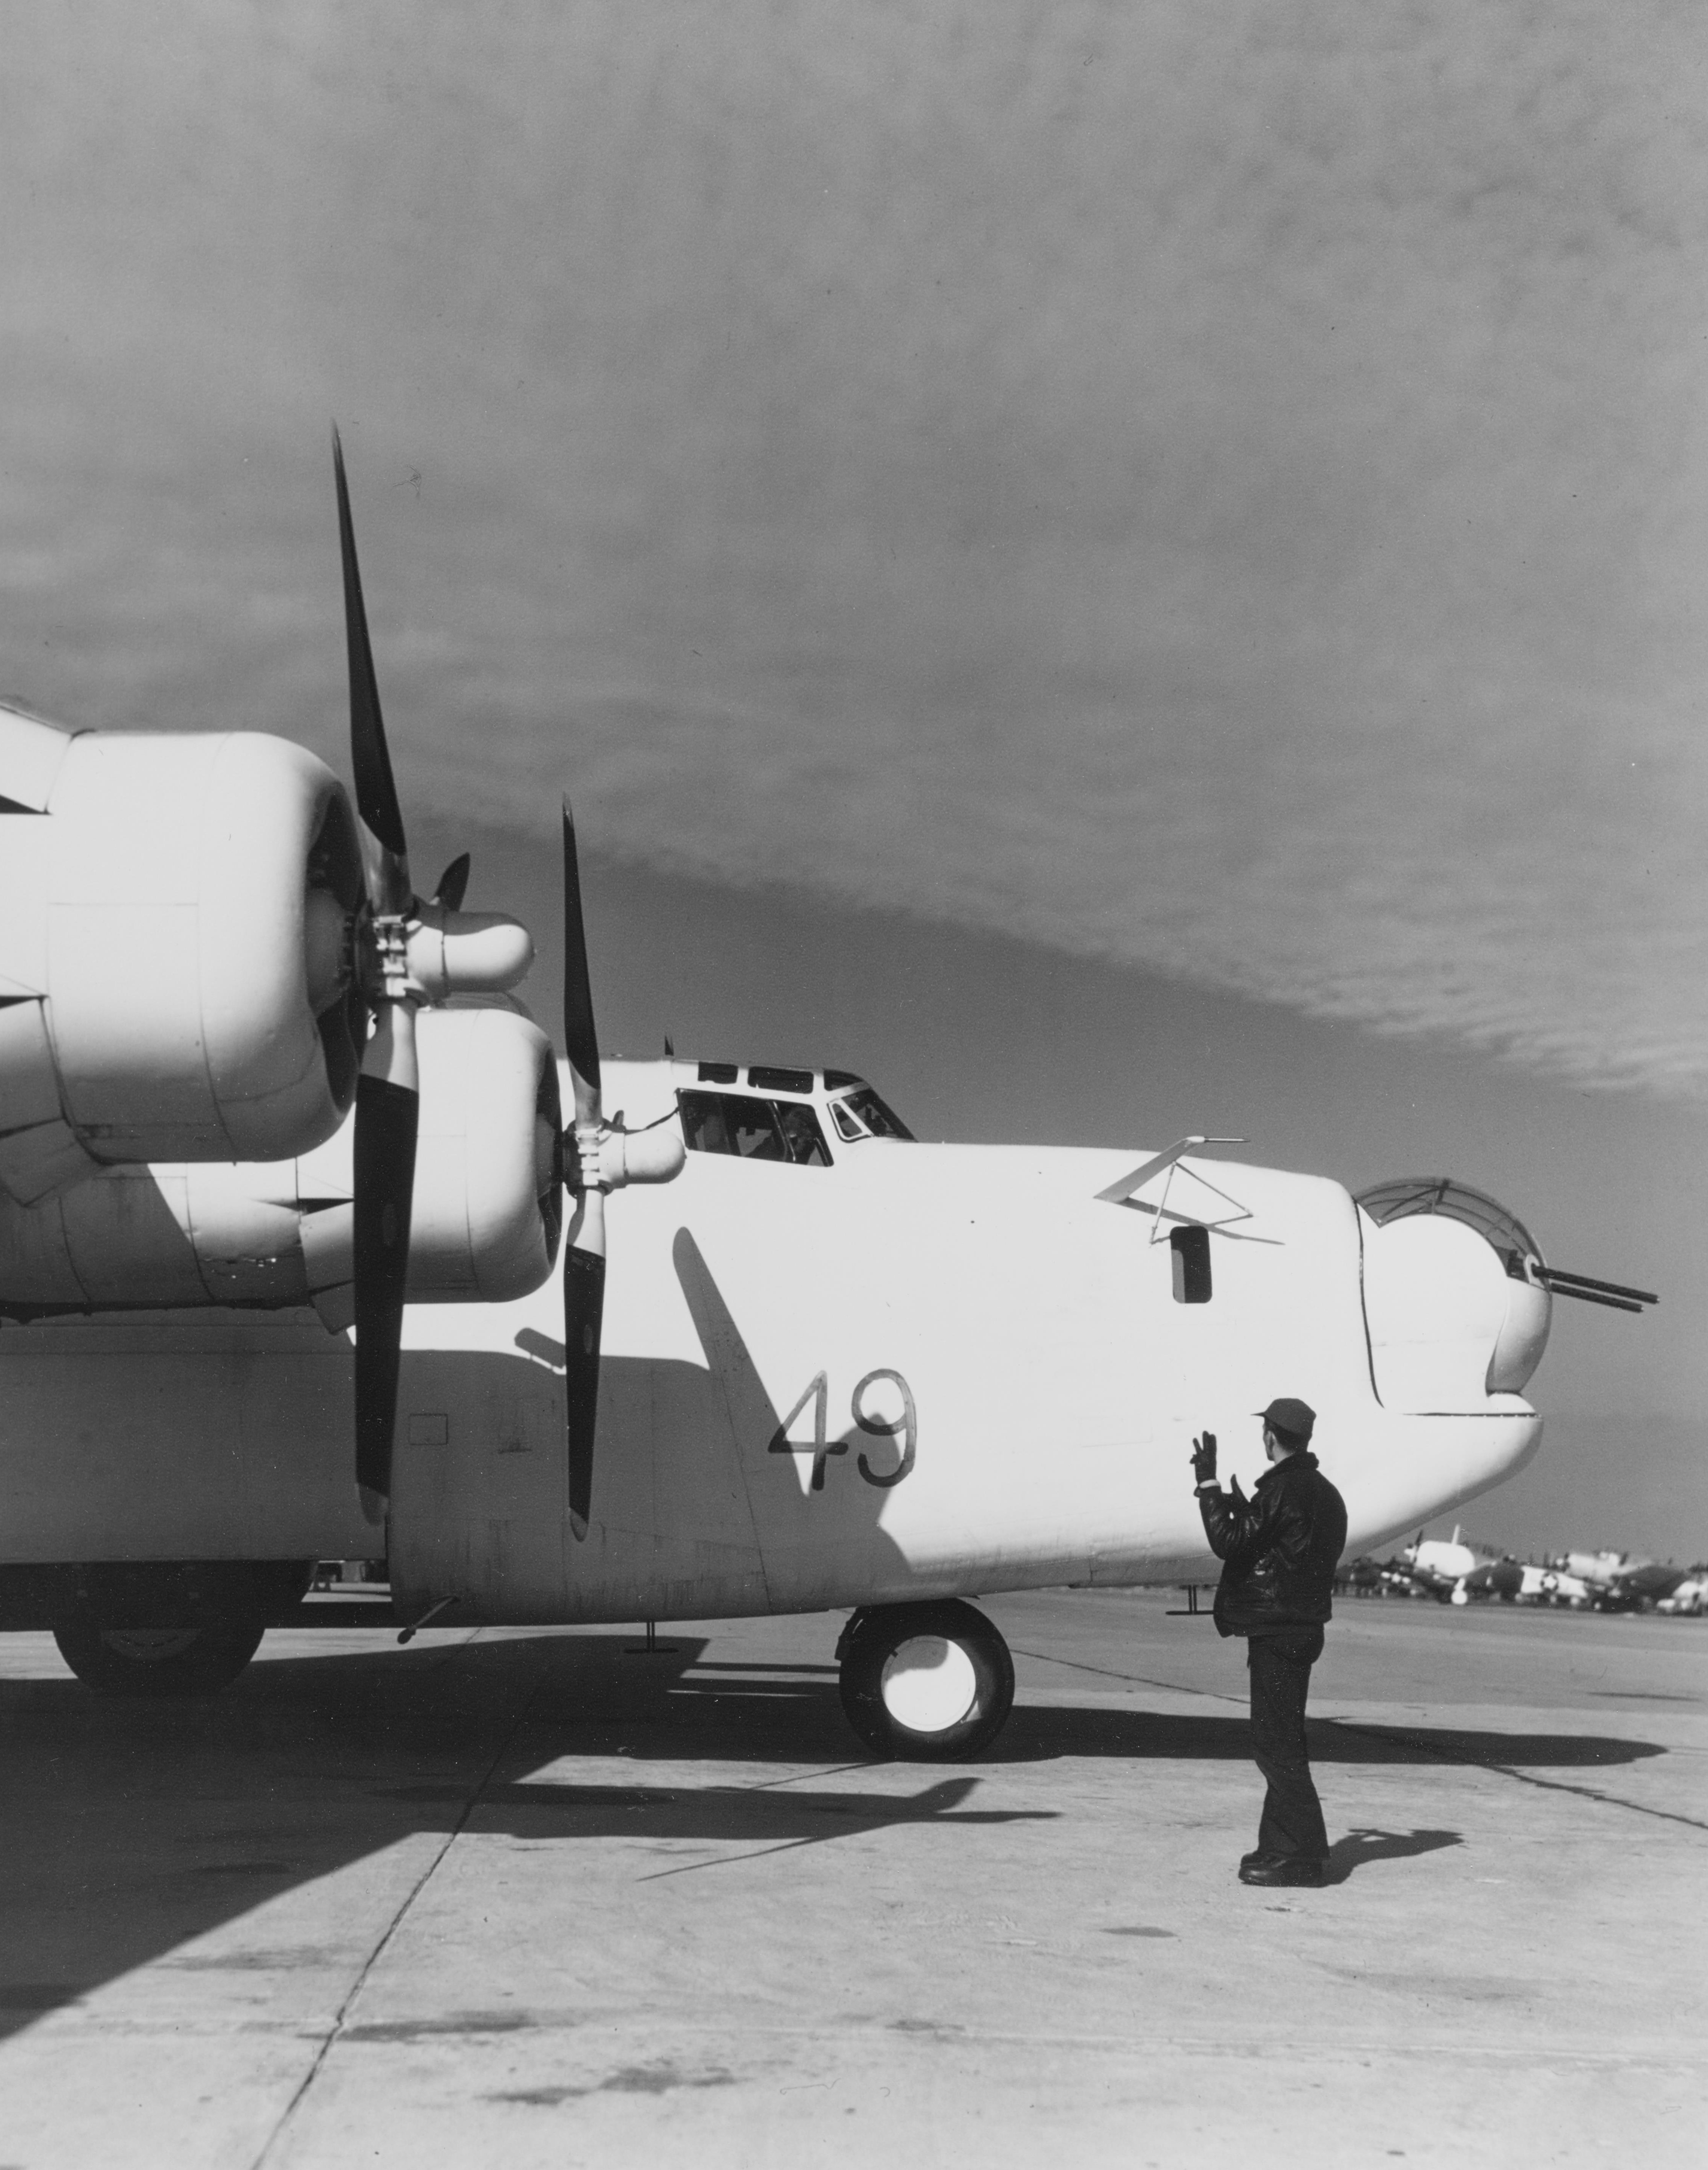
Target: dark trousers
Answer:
pixel 1280 1667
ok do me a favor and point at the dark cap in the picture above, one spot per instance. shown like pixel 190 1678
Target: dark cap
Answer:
pixel 1297 1418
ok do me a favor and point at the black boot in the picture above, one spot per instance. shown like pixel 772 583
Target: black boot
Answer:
pixel 1281 1869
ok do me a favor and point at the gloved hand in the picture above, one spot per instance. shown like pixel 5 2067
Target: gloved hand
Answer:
pixel 1204 1459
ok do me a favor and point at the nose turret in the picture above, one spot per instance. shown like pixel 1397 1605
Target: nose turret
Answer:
pixel 1456 1298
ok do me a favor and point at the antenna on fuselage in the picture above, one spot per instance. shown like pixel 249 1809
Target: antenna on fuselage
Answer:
pixel 1118 1192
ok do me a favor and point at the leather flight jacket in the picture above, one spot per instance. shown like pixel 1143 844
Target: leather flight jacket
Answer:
pixel 1279 1548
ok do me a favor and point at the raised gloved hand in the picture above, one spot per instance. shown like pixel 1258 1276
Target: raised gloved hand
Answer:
pixel 1204 1459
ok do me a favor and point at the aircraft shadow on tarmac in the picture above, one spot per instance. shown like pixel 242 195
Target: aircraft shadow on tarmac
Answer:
pixel 1193 1737
pixel 128 1830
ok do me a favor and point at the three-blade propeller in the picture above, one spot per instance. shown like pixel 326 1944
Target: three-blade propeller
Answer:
pixel 395 980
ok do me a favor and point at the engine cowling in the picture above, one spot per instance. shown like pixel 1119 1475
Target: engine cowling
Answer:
pixel 485 1219
pixel 174 981
pixel 487 1208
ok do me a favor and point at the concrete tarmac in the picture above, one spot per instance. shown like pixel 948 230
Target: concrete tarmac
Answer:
pixel 525 1899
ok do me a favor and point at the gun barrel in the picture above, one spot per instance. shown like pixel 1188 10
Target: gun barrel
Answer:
pixel 1581 1284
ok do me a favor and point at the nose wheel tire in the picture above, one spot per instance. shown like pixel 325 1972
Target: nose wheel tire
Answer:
pixel 925 1683
pixel 197 1660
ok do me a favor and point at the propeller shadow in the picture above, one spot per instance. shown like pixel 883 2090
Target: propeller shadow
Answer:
pixel 809 1503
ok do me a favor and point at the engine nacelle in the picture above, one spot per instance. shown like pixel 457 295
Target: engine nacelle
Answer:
pixel 487 1210
pixel 485 1219
pixel 174 910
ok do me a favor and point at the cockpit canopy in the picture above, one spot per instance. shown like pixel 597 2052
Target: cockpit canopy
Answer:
pixel 783 1114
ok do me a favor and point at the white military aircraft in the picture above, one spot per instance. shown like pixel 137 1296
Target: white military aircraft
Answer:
pixel 255 1093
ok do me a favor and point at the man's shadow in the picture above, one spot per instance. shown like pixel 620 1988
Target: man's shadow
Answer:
pixel 1365 1844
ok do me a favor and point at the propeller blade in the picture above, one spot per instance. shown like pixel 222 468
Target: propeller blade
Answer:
pixel 584 1311
pixel 377 794
pixel 580 1044
pixel 583 1254
pixel 388 1109
pixel 453 883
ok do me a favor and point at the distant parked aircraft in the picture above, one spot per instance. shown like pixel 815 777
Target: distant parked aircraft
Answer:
pixel 1619 1583
pixel 1454 1572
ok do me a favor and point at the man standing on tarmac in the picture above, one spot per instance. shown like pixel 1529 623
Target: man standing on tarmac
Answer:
pixel 1278 1551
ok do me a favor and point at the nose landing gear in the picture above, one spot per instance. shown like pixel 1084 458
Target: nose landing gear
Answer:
pixel 925 1683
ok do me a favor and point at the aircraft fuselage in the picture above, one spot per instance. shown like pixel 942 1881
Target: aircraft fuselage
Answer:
pixel 917 1370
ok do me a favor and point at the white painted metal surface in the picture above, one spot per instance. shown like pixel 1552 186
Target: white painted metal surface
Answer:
pixel 280 1234
pixel 154 915
pixel 928 1684
pixel 923 1370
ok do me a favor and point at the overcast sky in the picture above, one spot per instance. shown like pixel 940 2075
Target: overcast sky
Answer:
pixel 1221 488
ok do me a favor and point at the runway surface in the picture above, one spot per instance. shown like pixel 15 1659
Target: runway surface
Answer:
pixel 527 1899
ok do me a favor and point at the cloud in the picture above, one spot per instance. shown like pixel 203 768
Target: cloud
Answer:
pixel 1223 492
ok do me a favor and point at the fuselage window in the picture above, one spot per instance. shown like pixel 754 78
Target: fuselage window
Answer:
pixel 1191 1249
pixel 751 1129
pixel 881 1121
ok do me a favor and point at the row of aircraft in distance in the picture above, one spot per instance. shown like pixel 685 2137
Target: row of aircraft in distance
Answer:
pixel 311 1248
pixel 1455 1572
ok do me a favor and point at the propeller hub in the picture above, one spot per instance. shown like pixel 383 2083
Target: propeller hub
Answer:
pixel 583 1152
pixel 384 943
pixel 466 952
pixel 605 1156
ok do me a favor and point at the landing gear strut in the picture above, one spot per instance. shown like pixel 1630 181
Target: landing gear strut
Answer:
pixel 926 1683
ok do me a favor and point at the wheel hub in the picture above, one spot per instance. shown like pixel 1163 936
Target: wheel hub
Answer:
pixel 929 1684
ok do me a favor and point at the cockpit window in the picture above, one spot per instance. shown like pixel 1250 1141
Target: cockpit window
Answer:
pixel 881 1121
pixel 769 1079
pixel 847 1124
pixel 802 1134
pixel 731 1123
pixel 751 1129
